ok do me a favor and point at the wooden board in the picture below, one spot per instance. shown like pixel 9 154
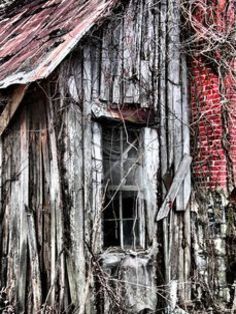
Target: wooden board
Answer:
pixel 175 186
pixel 24 202
pixel 151 164
pixel 34 262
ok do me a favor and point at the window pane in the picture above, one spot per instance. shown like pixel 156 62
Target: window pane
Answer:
pixel 111 155
pixel 131 159
pixel 111 233
pixel 131 172
pixel 130 218
pixel 111 223
pixel 129 204
pixel 111 206
pixel 130 137
pixel 131 236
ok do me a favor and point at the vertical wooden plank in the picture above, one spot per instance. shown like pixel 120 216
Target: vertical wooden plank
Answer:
pixel 177 89
pixel 87 133
pixel 187 253
pixel 173 86
pixel 36 199
pixel 117 66
pixel 162 87
pixel 97 176
pixel 185 129
pixel 180 271
pixel 87 164
pixel 156 61
pixel 16 247
pixel 187 181
pixel 14 221
pixel 149 178
pixel 128 46
pixel 163 122
pixel 45 254
pixel 174 129
pixel 56 206
pixel 176 94
pixel 74 175
pixel 3 216
pixel 130 61
pixel 147 56
pixel 24 202
pixel 34 262
pixel 96 54
pixel 6 174
pixel 106 67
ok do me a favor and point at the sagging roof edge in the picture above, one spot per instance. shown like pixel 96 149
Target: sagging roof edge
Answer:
pixel 50 64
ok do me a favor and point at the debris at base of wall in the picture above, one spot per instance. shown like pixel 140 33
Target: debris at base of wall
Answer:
pixel 209 234
pixel 133 279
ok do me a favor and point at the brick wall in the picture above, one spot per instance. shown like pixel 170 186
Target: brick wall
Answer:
pixel 213 101
pixel 209 156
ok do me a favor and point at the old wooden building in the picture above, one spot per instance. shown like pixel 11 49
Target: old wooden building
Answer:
pixel 95 158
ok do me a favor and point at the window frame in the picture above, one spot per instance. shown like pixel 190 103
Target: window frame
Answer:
pixel 120 189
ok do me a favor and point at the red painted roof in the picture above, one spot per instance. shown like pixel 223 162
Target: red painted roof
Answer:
pixel 36 37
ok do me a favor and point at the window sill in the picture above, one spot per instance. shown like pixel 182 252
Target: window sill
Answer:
pixel 112 256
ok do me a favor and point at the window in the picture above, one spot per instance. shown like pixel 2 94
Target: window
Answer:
pixel 123 207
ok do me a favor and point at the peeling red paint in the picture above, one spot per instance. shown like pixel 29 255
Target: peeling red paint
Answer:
pixel 138 115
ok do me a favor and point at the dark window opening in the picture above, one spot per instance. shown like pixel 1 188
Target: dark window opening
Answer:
pixel 122 160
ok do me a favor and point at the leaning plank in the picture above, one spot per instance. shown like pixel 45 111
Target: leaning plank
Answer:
pixel 11 107
pixel 175 186
pixel 34 262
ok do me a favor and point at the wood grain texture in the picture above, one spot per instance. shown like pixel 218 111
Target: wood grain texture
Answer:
pixel 175 186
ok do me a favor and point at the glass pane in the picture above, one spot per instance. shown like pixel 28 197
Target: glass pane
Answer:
pixel 111 155
pixel 131 234
pixel 130 218
pixel 129 204
pixel 131 171
pixel 130 140
pixel 131 159
pixel 111 206
pixel 111 233
pixel 111 223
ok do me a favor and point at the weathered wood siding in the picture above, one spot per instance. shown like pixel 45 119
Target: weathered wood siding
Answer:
pixel 52 194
